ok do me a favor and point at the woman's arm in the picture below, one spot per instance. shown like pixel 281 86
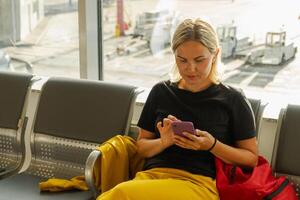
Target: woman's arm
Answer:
pixel 148 146
pixel 245 153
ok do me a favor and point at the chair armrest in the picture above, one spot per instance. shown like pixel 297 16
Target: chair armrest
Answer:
pixel 89 171
pixel 21 145
pixel 7 173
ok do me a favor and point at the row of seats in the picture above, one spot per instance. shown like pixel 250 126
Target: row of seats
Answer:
pixel 73 117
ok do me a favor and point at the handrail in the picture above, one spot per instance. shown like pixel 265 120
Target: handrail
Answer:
pixel 89 171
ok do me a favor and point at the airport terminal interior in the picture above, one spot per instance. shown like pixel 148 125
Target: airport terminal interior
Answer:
pixel 65 65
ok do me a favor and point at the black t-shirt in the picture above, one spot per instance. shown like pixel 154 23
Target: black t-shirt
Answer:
pixel 221 110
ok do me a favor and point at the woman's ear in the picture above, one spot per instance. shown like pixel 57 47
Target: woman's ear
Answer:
pixel 216 54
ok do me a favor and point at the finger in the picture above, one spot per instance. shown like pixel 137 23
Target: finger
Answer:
pixel 181 138
pixel 180 143
pixel 191 144
pixel 189 136
pixel 166 122
pixel 185 145
pixel 173 118
pixel 159 125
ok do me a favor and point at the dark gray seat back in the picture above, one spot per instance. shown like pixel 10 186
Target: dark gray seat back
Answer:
pixel 14 90
pixel 73 117
pixel 286 159
pixel 258 108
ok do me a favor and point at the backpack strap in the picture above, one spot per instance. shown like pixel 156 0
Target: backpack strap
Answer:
pixel 277 191
pixel 188 108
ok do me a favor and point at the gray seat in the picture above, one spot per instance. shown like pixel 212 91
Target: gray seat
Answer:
pixel 72 118
pixel 285 159
pixel 14 90
pixel 258 107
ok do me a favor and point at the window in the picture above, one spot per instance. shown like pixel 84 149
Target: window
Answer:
pixel 137 36
pixel 40 37
pixel 259 40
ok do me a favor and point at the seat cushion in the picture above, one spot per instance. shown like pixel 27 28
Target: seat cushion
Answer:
pixel 26 187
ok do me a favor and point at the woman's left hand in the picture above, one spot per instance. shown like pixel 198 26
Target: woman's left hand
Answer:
pixel 202 140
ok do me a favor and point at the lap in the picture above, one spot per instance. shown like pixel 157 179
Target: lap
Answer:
pixel 158 185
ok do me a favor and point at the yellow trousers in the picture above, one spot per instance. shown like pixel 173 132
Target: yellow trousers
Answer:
pixel 164 184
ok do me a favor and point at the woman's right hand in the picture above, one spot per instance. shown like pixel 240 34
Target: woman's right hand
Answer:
pixel 166 132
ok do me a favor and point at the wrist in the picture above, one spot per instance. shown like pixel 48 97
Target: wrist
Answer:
pixel 213 145
pixel 162 144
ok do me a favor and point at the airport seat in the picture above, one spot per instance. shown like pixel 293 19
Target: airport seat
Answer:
pixel 258 107
pixel 285 159
pixel 14 92
pixel 72 118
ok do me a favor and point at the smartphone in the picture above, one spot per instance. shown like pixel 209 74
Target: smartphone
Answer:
pixel 183 126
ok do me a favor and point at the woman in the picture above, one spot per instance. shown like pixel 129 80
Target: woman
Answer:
pixel 179 167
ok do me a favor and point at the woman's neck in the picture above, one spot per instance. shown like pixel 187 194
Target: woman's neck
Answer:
pixel 194 88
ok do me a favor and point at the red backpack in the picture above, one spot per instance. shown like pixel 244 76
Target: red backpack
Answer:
pixel 256 184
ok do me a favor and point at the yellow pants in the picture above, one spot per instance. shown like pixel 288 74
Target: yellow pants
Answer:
pixel 164 184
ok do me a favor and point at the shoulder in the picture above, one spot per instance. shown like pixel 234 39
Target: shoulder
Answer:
pixel 157 89
pixel 162 85
pixel 234 95
pixel 232 92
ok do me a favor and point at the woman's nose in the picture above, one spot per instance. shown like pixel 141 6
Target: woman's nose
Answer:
pixel 191 67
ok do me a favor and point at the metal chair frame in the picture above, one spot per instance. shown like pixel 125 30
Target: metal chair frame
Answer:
pixel 12 143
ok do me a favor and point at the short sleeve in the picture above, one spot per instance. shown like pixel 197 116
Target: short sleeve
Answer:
pixel 243 118
pixel 147 118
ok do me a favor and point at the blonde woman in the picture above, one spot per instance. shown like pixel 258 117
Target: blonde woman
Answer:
pixel 182 167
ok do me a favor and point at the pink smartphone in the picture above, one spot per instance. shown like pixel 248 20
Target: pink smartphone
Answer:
pixel 183 126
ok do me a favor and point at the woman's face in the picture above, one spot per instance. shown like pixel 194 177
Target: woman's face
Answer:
pixel 194 62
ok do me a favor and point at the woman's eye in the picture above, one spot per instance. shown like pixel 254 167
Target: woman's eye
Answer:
pixel 183 61
pixel 199 61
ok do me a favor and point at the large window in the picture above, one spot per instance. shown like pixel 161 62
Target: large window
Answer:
pixel 40 37
pixel 259 40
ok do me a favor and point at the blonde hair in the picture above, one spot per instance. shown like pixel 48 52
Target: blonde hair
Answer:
pixel 199 31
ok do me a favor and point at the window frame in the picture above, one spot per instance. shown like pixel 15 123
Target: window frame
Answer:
pixel 90 39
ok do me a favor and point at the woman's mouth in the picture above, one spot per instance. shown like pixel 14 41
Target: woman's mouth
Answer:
pixel 191 77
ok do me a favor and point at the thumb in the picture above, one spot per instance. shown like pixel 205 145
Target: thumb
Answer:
pixel 200 133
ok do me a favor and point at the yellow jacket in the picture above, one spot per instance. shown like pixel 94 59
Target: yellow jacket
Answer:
pixel 118 162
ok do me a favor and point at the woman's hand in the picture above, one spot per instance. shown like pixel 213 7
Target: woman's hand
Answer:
pixel 202 140
pixel 166 132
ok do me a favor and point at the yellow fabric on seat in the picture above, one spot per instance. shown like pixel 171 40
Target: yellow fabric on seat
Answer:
pixel 118 162
pixel 58 185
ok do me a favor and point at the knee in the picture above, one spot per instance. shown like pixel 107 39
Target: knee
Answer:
pixel 115 193
pixel 123 187
pixel 125 190
pixel 121 191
